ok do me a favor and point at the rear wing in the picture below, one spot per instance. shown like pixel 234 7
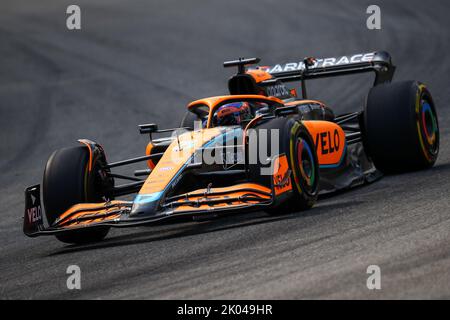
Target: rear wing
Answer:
pixel 310 68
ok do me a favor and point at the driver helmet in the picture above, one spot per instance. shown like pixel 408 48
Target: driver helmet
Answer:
pixel 233 113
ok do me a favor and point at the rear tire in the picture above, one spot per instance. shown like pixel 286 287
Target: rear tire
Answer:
pixel 67 181
pixel 401 131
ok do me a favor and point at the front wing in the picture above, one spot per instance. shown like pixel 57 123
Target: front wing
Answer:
pixel 206 203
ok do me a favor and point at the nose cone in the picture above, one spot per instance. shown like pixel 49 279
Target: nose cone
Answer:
pixel 145 204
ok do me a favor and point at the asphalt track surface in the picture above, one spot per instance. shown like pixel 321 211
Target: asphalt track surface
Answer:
pixel 143 61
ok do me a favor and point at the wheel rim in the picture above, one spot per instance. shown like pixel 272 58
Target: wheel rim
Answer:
pixel 429 131
pixel 306 165
pixel 428 123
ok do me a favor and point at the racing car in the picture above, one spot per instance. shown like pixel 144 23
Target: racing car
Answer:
pixel 262 147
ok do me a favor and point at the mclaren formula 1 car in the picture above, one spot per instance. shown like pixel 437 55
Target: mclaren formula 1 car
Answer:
pixel 259 148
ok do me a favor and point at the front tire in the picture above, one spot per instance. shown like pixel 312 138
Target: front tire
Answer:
pixel 401 131
pixel 296 143
pixel 68 181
